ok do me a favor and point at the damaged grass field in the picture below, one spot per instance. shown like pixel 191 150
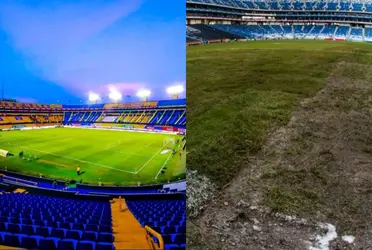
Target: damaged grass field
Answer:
pixel 281 125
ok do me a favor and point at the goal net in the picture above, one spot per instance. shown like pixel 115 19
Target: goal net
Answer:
pixel 169 142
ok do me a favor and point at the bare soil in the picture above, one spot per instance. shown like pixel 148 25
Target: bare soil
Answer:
pixel 316 169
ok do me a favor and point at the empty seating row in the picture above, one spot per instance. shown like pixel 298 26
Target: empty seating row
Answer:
pixel 167 217
pixel 40 222
pixel 297 31
pixel 299 5
pixel 57 232
pixel 36 242
pixel 66 223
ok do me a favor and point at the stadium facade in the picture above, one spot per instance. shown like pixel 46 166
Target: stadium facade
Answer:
pixel 211 21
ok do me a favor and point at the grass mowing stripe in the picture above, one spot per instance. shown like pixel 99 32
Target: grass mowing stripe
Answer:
pixel 74 159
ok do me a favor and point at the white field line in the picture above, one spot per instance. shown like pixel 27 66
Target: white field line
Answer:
pixel 156 177
pixel 123 153
pixel 74 159
pixel 113 145
pixel 151 144
pixel 144 165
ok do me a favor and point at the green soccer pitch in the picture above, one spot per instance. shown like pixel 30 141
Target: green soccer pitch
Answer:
pixel 116 157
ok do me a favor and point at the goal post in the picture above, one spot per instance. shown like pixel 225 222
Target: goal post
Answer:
pixel 169 142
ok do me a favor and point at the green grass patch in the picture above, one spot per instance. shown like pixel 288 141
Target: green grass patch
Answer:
pixel 116 157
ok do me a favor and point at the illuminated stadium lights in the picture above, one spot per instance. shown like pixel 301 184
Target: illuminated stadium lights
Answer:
pixel 93 97
pixel 115 95
pixel 175 91
pixel 144 94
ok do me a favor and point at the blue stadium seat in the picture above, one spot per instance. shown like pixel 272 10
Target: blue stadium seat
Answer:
pixel 74 234
pixel 43 231
pixel 106 237
pixel 81 221
pixel 169 230
pixel 67 244
pixel 65 225
pixel 78 226
pixel 47 244
pixel 168 239
pixel 90 227
pixel 14 228
pixel 12 240
pixel 179 239
pixel 26 221
pixel 2 236
pixel 54 224
pixel 27 229
pixel 29 243
pixel 181 230
pixel 58 233
pixel 70 220
pixel 90 236
pixel 105 246
pixel 86 245
pixel 39 223
pixel 15 220
pixel 105 228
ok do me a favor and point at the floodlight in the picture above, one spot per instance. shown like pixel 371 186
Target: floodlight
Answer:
pixel 115 95
pixel 93 97
pixel 175 90
pixel 143 93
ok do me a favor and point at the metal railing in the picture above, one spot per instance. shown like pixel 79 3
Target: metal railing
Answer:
pixel 151 232
pixel 18 181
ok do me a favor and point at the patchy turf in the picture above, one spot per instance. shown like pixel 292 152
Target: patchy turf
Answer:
pixel 294 120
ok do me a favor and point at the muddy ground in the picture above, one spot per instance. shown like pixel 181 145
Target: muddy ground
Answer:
pixel 315 170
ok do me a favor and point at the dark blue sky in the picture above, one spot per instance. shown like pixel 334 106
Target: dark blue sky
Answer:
pixel 60 50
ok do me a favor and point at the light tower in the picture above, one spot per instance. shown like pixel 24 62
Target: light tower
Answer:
pixel 175 91
pixel 144 94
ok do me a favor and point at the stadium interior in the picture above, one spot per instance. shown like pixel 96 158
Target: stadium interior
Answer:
pixel 39 213
pixel 220 20
pixel 139 115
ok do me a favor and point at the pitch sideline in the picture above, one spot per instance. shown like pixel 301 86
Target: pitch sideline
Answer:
pixel 165 162
pixel 144 165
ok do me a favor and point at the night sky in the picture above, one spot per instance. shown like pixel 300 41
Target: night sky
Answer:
pixel 58 51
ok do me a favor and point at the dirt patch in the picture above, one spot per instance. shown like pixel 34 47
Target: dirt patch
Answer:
pixel 318 167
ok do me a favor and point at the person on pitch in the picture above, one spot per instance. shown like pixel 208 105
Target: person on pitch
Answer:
pixel 78 170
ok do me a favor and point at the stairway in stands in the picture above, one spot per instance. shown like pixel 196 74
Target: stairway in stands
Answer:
pixel 128 232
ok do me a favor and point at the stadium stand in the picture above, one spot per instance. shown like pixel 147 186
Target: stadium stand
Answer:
pixel 40 222
pixel 52 220
pixel 146 113
pixel 210 33
pixel 162 113
pixel 286 19
pixel 165 216
pixel 325 5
